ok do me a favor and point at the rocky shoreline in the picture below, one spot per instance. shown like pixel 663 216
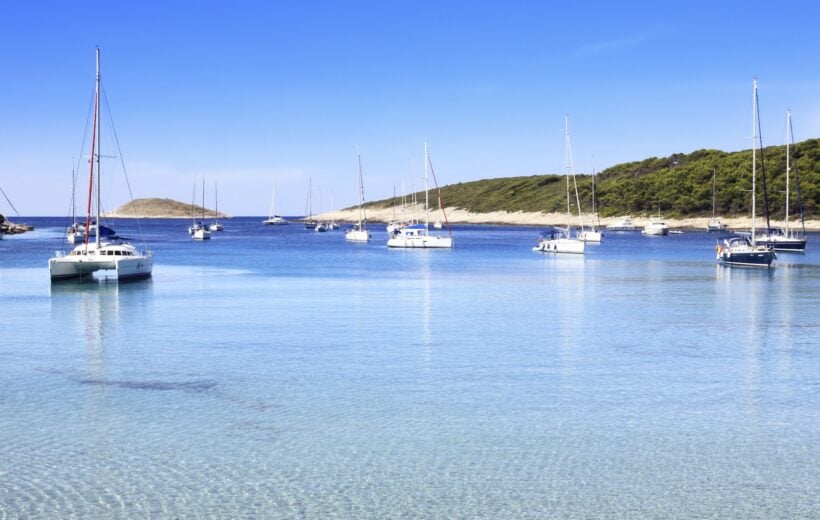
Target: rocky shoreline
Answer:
pixel 459 216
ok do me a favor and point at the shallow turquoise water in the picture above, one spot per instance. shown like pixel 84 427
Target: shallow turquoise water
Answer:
pixel 277 373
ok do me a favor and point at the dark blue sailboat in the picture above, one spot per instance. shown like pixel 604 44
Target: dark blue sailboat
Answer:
pixel 743 251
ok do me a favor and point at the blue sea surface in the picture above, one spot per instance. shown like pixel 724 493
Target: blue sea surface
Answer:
pixel 273 372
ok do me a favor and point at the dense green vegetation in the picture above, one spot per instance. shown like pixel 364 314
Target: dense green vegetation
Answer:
pixel 681 184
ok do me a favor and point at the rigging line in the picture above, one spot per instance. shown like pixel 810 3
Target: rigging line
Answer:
pixel 763 169
pixel 10 204
pixel 122 162
pixel 76 166
pixel 95 127
pixel 440 202
pixel 797 179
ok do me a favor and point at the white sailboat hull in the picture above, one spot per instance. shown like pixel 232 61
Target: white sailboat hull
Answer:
pixel 357 235
pixel 560 245
pixel 591 236
pixel 420 242
pixel 202 234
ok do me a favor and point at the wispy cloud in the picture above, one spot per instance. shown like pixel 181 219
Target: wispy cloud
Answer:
pixel 615 45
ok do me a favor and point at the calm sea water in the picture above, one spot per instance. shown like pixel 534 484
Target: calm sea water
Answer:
pixel 278 373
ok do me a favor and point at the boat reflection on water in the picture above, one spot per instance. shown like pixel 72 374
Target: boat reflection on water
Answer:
pixel 90 312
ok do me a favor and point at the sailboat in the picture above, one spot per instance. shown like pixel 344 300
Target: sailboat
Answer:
pixel 215 225
pixel 274 219
pixel 593 234
pixel 359 232
pixel 785 238
pixel 309 222
pixel 418 235
pixel 102 254
pixel 332 224
pixel 560 239
pixel 202 232
pixel 715 225
pixel 77 232
pixel 742 250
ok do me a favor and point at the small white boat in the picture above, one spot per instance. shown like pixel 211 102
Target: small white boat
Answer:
pixel 656 226
pixel 785 238
pixel 359 232
pixel 437 224
pixel 394 226
pixel 101 254
pixel 320 227
pixel 559 241
pixel 274 219
pixel 199 230
pixel 202 234
pixel 716 226
pixel 625 224
pixel 593 233
pixel 417 236
pixel 215 225
pixel 590 235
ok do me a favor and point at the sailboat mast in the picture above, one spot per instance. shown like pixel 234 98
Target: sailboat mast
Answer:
pixel 97 119
pixel 754 155
pixel 426 199
pixel 714 181
pixel 788 163
pixel 566 161
pixel 361 187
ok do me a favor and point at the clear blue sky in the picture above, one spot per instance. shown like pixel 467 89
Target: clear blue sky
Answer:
pixel 249 93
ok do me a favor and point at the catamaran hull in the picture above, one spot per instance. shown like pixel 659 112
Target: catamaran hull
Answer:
pixel 421 242
pixel 74 268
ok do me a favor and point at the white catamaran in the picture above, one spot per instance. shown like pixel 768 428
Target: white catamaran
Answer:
pixel 417 236
pixel 102 254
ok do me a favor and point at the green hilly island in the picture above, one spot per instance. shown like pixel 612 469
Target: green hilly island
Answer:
pixel 162 208
pixel 681 184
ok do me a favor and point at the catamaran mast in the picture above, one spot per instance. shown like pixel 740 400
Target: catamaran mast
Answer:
pixel 97 117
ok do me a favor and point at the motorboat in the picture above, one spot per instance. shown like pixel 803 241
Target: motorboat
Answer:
pixel 656 226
